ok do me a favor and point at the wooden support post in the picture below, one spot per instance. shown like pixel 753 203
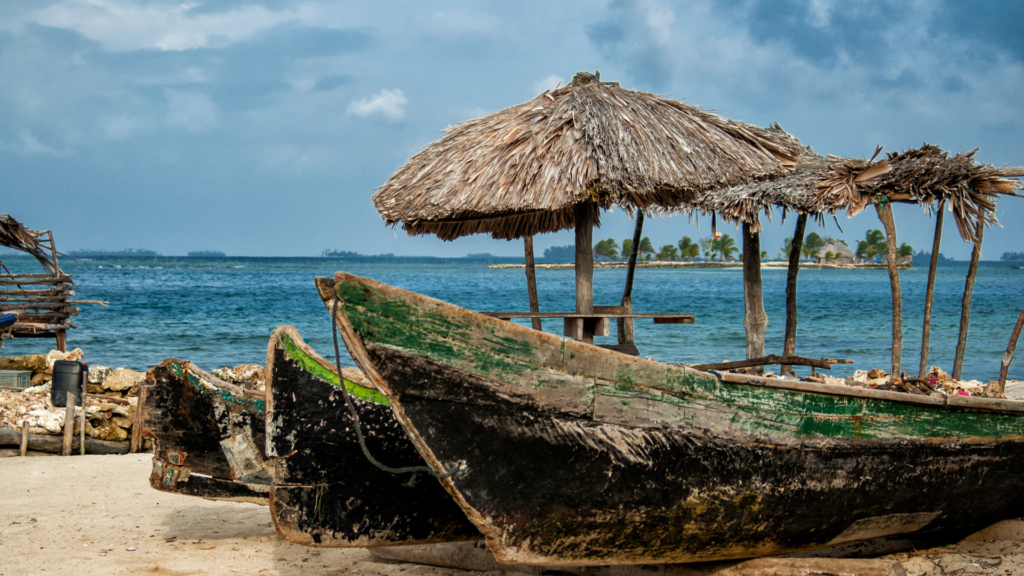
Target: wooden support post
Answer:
pixel 61 337
pixel 789 345
pixel 965 304
pixel 585 265
pixel 140 406
pixel 885 215
pixel 531 281
pixel 929 293
pixel 85 390
pixel 755 321
pixel 624 326
pixel 24 438
pixel 1010 349
pixel 69 424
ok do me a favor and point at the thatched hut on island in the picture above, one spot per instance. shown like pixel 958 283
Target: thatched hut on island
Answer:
pixel 556 161
pixel 835 252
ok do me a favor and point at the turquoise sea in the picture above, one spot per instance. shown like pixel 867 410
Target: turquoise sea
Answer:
pixel 220 312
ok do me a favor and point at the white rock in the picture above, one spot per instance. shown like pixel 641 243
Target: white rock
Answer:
pixel 54 355
pixel 97 374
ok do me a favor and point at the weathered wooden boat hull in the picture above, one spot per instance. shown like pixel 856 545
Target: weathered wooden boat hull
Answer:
pixel 566 454
pixel 326 492
pixel 208 435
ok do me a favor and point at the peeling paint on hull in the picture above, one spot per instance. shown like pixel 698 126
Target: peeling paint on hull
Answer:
pixel 326 492
pixel 568 454
pixel 208 436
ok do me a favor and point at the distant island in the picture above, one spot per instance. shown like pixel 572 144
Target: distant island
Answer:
pixel 137 253
pixel 207 254
pixel 1013 256
pixel 922 258
pixel 475 257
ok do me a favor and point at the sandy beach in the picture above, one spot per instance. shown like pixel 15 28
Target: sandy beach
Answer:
pixel 97 515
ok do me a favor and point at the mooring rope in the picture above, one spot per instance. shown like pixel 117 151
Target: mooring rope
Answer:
pixel 414 470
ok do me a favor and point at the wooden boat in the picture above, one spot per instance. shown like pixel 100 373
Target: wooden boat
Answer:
pixel 563 453
pixel 208 435
pixel 326 492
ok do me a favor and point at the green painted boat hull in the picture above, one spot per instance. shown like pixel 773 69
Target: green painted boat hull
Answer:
pixel 567 454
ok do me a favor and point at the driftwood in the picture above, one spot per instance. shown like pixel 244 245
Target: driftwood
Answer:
pixel 54 444
pixel 789 346
pixel 886 216
pixel 50 281
pixel 965 303
pixel 771 359
pixel 930 290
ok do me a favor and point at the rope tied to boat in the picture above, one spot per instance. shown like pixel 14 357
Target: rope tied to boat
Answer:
pixel 414 470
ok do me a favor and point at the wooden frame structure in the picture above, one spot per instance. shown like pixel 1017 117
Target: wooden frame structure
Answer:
pixel 42 303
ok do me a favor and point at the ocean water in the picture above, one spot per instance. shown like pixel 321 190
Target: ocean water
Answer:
pixel 220 312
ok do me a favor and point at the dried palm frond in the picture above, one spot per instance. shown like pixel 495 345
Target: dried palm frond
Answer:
pixel 14 235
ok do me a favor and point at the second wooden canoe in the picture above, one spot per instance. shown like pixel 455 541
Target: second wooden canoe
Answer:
pixel 326 492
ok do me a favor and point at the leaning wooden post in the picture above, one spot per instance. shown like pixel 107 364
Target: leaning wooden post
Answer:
pixel 585 269
pixel 885 215
pixel 24 438
pixel 965 304
pixel 625 325
pixel 69 424
pixel 1010 349
pixel 929 293
pixel 531 281
pixel 755 321
pixel 789 346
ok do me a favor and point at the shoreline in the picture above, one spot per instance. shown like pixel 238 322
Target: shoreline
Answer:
pixel 704 265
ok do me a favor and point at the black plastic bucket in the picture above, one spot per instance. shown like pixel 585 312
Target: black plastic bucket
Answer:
pixel 67 377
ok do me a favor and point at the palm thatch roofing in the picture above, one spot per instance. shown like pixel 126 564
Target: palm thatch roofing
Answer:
pixel 14 235
pixel 822 185
pixel 523 170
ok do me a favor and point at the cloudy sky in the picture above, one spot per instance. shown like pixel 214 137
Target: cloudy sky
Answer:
pixel 262 128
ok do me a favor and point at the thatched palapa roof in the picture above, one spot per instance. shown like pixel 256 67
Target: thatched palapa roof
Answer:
pixel 824 185
pixel 522 171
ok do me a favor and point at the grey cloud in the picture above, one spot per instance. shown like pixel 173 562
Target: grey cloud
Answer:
pixel 332 81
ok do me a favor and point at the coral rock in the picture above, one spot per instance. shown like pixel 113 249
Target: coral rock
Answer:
pixel 123 379
pixel 108 432
pixel 97 374
pixel 876 373
pixel 54 355
pixel 34 362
